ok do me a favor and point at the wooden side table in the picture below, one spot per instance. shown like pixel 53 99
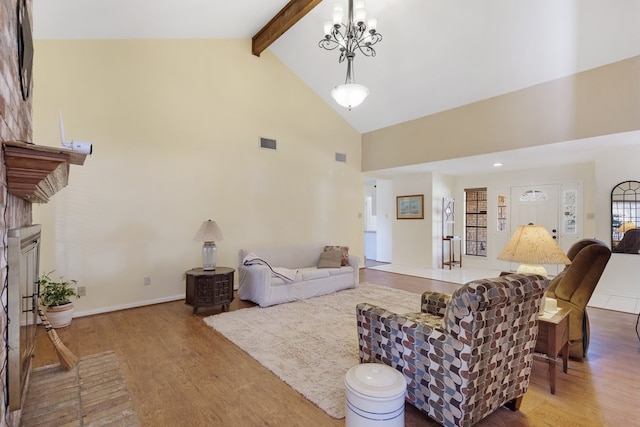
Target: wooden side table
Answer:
pixel 209 288
pixel 553 339
pixel 448 242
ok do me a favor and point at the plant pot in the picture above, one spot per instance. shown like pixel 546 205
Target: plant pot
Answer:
pixel 60 315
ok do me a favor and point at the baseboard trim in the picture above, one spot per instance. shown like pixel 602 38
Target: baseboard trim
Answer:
pixel 127 306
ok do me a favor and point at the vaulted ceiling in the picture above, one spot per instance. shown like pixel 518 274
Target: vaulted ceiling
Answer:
pixel 435 55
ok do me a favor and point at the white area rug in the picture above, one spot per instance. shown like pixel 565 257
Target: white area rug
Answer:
pixel 310 344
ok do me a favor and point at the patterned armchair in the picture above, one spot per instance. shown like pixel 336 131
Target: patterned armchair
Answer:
pixel 465 355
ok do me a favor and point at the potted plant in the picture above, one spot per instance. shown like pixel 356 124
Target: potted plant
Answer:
pixel 56 295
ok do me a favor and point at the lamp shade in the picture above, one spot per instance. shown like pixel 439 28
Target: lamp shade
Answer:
pixel 533 245
pixel 208 232
pixel 350 94
pixel 626 227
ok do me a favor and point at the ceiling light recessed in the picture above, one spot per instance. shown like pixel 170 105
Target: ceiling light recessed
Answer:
pixel 497 164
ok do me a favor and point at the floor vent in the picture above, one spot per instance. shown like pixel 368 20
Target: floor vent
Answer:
pixel 341 157
pixel 269 144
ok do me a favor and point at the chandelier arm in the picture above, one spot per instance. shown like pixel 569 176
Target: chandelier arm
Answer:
pixel 366 50
pixel 337 34
pixel 358 32
pixel 375 38
pixel 370 39
pixel 329 44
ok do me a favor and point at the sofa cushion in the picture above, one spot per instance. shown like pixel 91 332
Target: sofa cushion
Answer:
pixel 343 249
pixel 312 273
pixel 340 271
pixel 330 259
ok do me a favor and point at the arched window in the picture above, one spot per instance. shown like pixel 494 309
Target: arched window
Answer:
pixel 625 218
pixel 533 196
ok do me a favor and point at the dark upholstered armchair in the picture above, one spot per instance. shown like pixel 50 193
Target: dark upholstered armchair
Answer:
pixel 465 355
pixel 573 287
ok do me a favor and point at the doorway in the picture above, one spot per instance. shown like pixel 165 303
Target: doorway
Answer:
pixel 536 204
pixel 554 206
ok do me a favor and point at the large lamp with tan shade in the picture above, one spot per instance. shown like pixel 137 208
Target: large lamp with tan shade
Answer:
pixel 533 246
pixel 624 227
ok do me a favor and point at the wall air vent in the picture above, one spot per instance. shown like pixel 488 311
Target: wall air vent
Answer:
pixel 341 157
pixel 269 144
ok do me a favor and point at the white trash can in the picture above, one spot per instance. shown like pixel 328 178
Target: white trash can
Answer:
pixel 375 396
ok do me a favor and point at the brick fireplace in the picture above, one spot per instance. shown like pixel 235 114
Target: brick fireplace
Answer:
pixel 29 173
pixel 15 124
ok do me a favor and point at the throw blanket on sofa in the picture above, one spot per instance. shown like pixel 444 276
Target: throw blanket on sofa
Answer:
pixel 282 273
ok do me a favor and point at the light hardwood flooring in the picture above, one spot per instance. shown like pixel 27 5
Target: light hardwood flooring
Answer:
pixel 180 372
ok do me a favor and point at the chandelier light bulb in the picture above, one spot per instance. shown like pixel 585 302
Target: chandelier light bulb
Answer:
pixel 327 28
pixel 338 13
pixel 360 15
pixel 372 23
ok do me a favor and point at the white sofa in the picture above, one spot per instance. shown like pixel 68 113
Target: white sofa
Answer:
pixel 259 283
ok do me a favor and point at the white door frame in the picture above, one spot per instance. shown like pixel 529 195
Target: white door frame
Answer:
pixel 568 222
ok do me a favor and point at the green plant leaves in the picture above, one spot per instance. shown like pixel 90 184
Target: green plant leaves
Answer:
pixel 56 292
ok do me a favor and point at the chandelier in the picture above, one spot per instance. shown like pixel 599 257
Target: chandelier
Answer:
pixel 354 36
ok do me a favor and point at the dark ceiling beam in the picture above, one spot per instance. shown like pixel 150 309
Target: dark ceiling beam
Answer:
pixel 279 24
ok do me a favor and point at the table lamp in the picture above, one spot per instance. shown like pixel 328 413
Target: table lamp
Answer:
pixel 532 245
pixel 208 233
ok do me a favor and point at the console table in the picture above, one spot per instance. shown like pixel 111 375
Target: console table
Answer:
pixel 209 288
pixel 553 339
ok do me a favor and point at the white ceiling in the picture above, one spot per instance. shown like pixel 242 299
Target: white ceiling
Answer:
pixel 435 55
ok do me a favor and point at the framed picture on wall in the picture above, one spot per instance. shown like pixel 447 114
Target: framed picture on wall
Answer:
pixel 25 48
pixel 410 207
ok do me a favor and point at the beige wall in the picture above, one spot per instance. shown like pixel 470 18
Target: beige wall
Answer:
pixel 412 238
pixel 620 278
pixel 175 126
pixel 601 101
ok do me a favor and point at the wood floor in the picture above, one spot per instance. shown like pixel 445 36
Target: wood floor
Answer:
pixel 180 372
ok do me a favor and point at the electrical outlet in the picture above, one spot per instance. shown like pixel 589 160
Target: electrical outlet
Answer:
pixel 147 281
pixel 82 291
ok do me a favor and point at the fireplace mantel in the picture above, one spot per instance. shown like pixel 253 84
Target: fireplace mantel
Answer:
pixel 36 172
